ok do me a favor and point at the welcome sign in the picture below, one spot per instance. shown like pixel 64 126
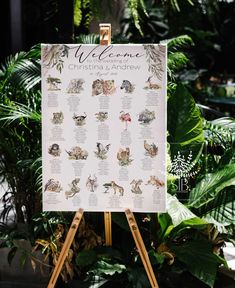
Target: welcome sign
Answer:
pixel 104 127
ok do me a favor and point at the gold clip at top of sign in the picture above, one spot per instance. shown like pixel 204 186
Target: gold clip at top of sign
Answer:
pixel 105 34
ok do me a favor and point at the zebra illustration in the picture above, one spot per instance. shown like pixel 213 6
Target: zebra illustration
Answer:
pixel 126 84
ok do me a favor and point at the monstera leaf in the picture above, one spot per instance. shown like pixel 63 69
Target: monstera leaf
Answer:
pixel 184 121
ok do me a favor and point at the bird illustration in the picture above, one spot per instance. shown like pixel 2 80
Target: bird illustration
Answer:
pixel 151 149
pixel 101 149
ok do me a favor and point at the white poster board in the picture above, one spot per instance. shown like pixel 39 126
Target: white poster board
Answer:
pixel 104 127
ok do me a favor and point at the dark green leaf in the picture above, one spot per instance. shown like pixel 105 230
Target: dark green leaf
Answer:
pixel 11 254
pixel 138 278
pixel 86 258
pixel 184 120
pixel 120 219
pixel 102 267
pixel 209 187
pixel 199 259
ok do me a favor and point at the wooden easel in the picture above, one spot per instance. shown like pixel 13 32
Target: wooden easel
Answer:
pixel 105 39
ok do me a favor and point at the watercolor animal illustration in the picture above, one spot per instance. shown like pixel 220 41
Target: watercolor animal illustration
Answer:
pixel 117 189
pixel 75 86
pixel 106 87
pixel 135 186
pixel 91 183
pixel 154 181
pixel 125 117
pixel 73 189
pixel 109 87
pixel 146 116
pixel 123 157
pixel 151 149
pixel 101 116
pixel 151 85
pixel 79 120
pixel 97 87
pixel 57 118
pixel 54 150
pixel 107 186
pixel 102 150
pixel 52 186
pixel 53 83
pixel 77 153
pixel 127 86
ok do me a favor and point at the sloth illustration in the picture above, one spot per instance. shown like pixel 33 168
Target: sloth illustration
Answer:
pixel 54 150
pixel 53 83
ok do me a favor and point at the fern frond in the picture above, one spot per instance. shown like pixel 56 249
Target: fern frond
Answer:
pixel 133 6
pixel 77 14
pixel 175 62
pixel 181 41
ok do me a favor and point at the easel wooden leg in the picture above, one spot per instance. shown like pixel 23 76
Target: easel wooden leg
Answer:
pixel 108 228
pixel 67 244
pixel 141 248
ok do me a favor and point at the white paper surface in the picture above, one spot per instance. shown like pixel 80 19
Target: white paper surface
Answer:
pixel 104 127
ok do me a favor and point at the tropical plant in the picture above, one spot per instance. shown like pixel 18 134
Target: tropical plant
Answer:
pixel 178 241
pixel 20 117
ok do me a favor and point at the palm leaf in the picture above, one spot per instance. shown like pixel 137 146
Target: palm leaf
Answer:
pixel 10 62
pixel 88 39
pixel 11 113
pixel 221 210
pixel 26 73
pixel 22 69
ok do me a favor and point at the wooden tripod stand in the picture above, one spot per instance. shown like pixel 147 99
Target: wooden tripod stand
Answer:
pixel 135 233
pixel 105 39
